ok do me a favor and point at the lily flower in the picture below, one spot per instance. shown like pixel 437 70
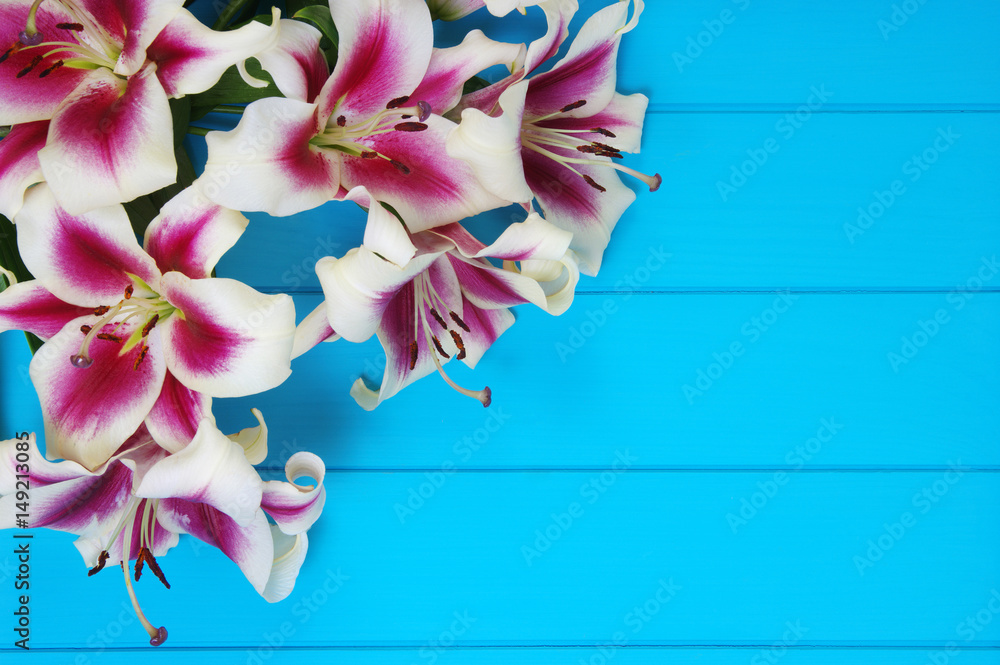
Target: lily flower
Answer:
pixel 139 335
pixel 133 507
pixel 558 137
pixel 102 73
pixel 434 296
pixel 376 123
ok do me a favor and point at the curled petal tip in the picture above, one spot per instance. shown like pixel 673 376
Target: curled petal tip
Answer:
pixel 30 39
pixel 425 110
pixel 657 181
pixel 161 637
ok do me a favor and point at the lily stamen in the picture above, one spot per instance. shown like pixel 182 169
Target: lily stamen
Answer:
pixel 157 636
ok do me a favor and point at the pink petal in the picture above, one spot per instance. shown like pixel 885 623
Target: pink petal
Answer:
pixel 437 189
pixel 30 307
pixel 191 234
pixel 571 204
pixel 227 340
pixel 19 167
pixel 174 419
pixel 267 163
pixel 90 412
pixel 587 71
pixel 450 68
pixel 119 133
pixel 313 330
pixel 138 21
pixel 385 47
pixel 32 97
pixel 623 117
pixel 191 57
pixel 80 259
pixel 292 506
pixel 296 62
pixel 558 14
pixel 489 287
pixel 486 326
pixel 250 547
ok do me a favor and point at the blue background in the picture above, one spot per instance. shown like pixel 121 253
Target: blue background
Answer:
pixel 714 459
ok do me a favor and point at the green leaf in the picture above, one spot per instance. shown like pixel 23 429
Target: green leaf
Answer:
pixel 235 12
pixel 474 84
pixel 293 7
pixel 232 89
pixel 319 16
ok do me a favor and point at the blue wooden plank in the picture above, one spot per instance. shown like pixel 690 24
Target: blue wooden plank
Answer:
pixel 572 558
pixel 858 371
pixel 843 201
pixel 660 372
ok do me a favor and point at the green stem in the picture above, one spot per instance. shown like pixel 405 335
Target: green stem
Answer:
pixel 4 131
pixel 198 131
pixel 229 108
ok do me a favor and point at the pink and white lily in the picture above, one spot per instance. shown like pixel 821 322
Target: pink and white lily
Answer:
pixel 376 123
pixel 139 335
pixel 433 296
pixel 134 506
pixel 558 136
pixel 100 74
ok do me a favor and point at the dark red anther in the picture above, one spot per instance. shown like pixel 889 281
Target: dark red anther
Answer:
pixel 593 183
pixel 108 337
pixel 410 127
pixel 396 103
pixel 146 329
pixel 413 354
pixel 437 317
pixel 138 563
pixel 102 310
pixel 612 155
pixel 606 147
pixel 368 154
pixel 102 559
pixel 153 566
pixel 458 342
pixel 440 349
pixel 341 121
pixel 588 149
pixel 129 290
pixel 85 329
pixel 11 51
pixel 37 60
pixel 51 69
pixel 400 166
pixel 573 106
pixel 604 132
pixel 459 322
pixel 143 350
pixel 75 27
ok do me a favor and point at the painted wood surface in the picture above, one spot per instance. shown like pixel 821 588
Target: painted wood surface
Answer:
pixel 767 432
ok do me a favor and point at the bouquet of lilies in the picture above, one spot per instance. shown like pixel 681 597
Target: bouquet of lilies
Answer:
pixel 346 100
